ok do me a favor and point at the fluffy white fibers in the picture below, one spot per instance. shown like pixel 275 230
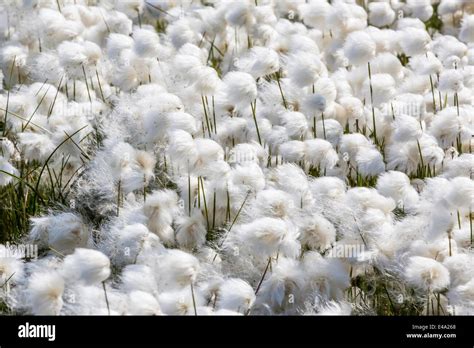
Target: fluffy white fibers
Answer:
pixel 304 69
pixel 295 124
pixel 240 88
pixel 45 291
pixel 215 157
pixel 159 208
pixel 381 14
pixel 420 9
pixel 284 283
pixel 145 43
pixel 63 232
pixel 426 273
pixel 236 295
pixel 9 172
pixel 383 86
pixel 265 236
pixel 260 61
pixel 142 303
pixel 11 267
pixel 315 13
pixel 320 153
pixel 460 268
pixel 86 266
pixel 178 268
pixel 414 41
pixel 292 151
pixel 317 233
pixel 461 193
pixel 272 203
pixel 359 48
pixel 459 166
pixel 191 231
pixel 138 278
pixel 396 185
pixel 467 29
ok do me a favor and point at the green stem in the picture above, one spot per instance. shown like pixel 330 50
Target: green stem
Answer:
pixel 206 116
pixel 194 299
pixel 432 94
pixel 205 202
pixel 324 126
pixel 281 92
pixel 263 275
pixel 372 104
pixel 254 113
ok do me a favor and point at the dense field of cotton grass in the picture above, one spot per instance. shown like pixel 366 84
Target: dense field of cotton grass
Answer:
pixel 266 157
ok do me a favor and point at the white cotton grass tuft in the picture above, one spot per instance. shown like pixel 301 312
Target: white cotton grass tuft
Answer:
pixel 406 128
pixel 426 64
pixel 320 153
pixel 12 268
pixel 295 124
pixel 191 231
pixel 369 162
pixel 62 232
pixel 272 203
pixel 240 88
pixel 117 43
pixel 179 302
pixel 206 80
pixel 145 43
pixel 36 146
pixel 345 18
pixel 178 268
pixel 131 241
pixel 359 48
pixel 461 193
pixel 259 62
pixel 335 308
pixel 238 14
pixel 317 233
pixel 467 29
pixel 138 278
pixel 86 266
pixel 451 81
pixel 9 172
pixel 383 86
pixel 420 9
pixel 447 127
pixel 263 236
pixel 367 198
pixel 396 185
pixel 381 14
pixel 304 68
pixel 328 275
pixel 45 293
pixel 459 166
pixel 284 283
pixel 315 13
pixel 236 295
pixel 414 41
pixel 426 273
pixel 159 209
pixel 292 151
pixel 143 303
pixel 461 296
pixel 460 268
